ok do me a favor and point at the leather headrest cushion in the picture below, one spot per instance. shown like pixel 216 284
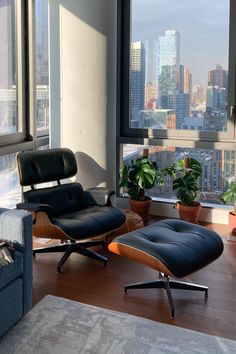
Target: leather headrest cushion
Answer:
pixel 46 165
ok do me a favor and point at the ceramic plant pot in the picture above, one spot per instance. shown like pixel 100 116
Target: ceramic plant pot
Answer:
pixel 232 222
pixel 189 213
pixel 141 207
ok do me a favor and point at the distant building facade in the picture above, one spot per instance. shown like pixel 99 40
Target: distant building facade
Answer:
pixel 137 81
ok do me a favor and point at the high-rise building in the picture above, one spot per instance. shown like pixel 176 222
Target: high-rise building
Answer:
pixel 182 108
pixel 169 58
pixel 150 95
pixel 151 69
pixel 218 77
pixel 185 80
pixel 216 98
pixel 169 49
pixel 137 81
pixel 185 86
pixel 151 60
pixel 167 87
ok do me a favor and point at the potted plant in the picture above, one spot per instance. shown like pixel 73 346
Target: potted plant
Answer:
pixel 186 173
pixel 139 175
pixel 229 197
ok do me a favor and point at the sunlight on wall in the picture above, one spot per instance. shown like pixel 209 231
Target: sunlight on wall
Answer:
pixel 83 87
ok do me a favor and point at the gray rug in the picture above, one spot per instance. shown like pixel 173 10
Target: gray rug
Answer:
pixel 59 326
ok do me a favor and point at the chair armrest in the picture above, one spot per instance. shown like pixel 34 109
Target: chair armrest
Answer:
pixel 101 195
pixel 37 207
pixel 16 226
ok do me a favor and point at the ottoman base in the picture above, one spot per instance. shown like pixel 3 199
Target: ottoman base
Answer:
pixel 165 282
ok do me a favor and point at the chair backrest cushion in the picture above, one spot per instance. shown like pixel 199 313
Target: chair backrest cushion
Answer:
pixel 63 199
pixel 46 165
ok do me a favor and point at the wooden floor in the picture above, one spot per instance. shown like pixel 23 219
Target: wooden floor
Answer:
pixel 90 282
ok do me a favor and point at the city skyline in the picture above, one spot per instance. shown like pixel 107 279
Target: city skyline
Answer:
pixel 203 47
pixel 159 81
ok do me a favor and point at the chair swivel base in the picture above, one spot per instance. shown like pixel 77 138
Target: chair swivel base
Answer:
pixel 164 282
pixel 71 247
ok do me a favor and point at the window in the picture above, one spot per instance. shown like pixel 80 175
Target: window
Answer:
pixel 11 67
pixel 176 86
pixel 24 87
pixel 218 169
pixel 179 62
pixel 42 70
pixel 10 189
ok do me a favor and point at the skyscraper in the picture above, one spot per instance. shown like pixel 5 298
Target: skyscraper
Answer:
pixel 218 77
pixel 169 49
pixel 169 59
pixel 185 88
pixel 151 60
pixel 151 69
pixel 216 98
pixel 185 80
pixel 137 80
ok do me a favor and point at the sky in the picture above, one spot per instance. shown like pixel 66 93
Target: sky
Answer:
pixel 203 26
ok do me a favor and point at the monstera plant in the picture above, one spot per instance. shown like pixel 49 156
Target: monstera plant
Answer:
pixel 141 174
pixel 185 182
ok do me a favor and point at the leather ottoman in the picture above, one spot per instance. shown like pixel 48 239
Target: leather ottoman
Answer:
pixel 173 248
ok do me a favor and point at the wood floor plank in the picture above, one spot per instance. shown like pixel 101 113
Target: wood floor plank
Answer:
pixel 88 281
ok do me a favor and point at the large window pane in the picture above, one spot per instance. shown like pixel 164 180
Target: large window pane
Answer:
pixel 8 75
pixel 10 189
pixel 42 69
pixel 218 169
pixel 179 64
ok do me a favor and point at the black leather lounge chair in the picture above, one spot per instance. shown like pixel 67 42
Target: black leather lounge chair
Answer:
pixel 64 211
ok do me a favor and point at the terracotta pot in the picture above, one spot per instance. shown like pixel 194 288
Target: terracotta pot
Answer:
pixel 189 213
pixel 232 222
pixel 141 207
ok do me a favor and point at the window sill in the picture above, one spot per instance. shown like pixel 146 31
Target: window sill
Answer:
pixel 214 213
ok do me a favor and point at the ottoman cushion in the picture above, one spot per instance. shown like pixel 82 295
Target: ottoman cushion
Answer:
pixel 174 247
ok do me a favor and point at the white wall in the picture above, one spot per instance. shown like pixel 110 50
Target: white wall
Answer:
pixel 83 87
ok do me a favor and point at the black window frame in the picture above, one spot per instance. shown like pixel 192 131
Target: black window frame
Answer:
pixel 126 134
pixel 25 41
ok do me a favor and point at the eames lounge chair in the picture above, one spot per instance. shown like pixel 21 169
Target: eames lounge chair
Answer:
pixel 64 211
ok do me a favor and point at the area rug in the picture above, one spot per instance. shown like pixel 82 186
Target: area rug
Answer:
pixel 59 326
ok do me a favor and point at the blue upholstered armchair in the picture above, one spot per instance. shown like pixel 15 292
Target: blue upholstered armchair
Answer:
pixel 16 278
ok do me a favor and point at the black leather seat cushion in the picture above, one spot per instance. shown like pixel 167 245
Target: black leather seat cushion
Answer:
pixel 181 246
pixel 90 221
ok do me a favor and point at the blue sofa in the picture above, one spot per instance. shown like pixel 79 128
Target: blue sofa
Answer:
pixel 16 278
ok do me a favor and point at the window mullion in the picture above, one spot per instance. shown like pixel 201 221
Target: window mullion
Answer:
pixel 32 71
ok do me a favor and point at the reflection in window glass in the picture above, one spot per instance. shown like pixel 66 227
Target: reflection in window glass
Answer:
pixel 8 94
pixel 218 169
pixel 179 64
pixel 10 190
pixel 42 69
